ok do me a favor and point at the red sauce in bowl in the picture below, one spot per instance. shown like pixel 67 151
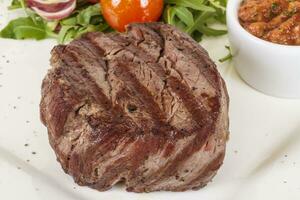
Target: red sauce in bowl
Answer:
pixel 277 21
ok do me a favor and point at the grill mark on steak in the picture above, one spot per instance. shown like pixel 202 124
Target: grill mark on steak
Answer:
pixel 153 65
pixel 135 83
pixel 94 154
pixel 83 47
pixel 92 87
pixel 149 104
pixel 131 81
pixel 76 79
pixel 138 56
pixel 110 149
pixel 190 105
pixel 142 57
pixel 72 62
pixel 130 127
pixel 197 116
pixel 151 179
pixel 186 44
pixel 96 92
pixel 136 88
pixel 66 100
pixel 175 85
pixel 164 75
pixel 145 146
pixel 149 98
pixel 199 113
pixel 195 145
pixel 206 100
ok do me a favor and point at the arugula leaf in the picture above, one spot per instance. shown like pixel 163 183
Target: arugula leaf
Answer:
pixel 195 17
pixel 184 14
pixel 194 4
pixel 228 57
pixel 218 4
pixel 200 20
pixel 197 36
pixel 71 34
pixel 64 31
pixel 210 31
pixel 23 28
pixel 15 4
pixel 84 17
pixel 51 25
pixel 169 15
pixel 85 20
pixel 71 21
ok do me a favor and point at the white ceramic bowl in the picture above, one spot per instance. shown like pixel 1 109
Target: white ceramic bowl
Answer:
pixel 271 68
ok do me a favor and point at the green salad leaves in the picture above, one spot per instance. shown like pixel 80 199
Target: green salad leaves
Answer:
pixel 85 18
pixel 194 17
pixel 24 27
pixel 82 21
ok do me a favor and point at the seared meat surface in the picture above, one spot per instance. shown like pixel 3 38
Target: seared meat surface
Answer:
pixel 147 108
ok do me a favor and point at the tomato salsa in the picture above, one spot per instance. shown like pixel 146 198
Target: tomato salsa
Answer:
pixel 277 21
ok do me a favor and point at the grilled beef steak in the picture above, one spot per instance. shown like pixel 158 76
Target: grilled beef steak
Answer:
pixel 147 108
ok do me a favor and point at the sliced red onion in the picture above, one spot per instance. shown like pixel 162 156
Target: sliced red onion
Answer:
pixel 49 1
pixel 50 6
pixel 52 10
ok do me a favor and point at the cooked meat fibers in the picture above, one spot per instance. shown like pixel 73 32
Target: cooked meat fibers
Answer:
pixel 147 108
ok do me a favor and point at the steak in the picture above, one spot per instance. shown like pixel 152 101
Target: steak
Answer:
pixel 147 108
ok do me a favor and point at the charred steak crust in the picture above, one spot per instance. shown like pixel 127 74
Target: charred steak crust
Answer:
pixel 147 107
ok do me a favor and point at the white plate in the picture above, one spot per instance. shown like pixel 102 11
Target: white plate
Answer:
pixel 262 160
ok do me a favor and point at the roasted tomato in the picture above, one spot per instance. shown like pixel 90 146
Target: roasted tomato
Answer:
pixel 119 13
